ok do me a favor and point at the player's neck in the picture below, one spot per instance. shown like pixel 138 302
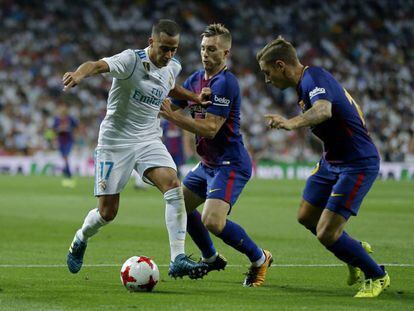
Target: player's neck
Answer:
pixel 209 74
pixel 298 73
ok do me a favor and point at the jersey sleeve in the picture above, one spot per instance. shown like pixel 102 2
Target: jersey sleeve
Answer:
pixel 222 96
pixel 175 66
pixel 183 103
pixel 122 65
pixel 317 86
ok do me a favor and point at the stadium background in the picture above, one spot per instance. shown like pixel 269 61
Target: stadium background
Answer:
pixel 368 45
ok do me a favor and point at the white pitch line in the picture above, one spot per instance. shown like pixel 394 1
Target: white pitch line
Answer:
pixel 231 266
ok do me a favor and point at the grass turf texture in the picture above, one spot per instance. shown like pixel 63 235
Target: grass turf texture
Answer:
pixel 38 219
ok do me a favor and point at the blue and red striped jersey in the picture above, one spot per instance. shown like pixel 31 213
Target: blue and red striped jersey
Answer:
pixel 344 135
pixel 227 146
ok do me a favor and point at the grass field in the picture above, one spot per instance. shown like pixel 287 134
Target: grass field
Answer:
pixel 38 219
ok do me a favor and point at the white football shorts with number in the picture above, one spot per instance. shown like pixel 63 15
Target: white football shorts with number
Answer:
pixel 130 134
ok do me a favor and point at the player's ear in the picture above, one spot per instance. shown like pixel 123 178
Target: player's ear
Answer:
pixel 279 65
pixel 226 53
pixel 150 41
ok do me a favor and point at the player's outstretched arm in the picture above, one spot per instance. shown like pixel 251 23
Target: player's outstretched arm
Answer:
pixel 320 112
pixel 181 93
pixel 207 127
pixel 89 68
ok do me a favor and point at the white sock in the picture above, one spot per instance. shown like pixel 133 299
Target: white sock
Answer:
pixel 259 262
pixel 93 221
pixel 176 220
pixel 210 259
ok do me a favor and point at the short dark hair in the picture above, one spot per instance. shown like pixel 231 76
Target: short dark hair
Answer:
pixel 166 26
pixel 213 30
pixel 278 49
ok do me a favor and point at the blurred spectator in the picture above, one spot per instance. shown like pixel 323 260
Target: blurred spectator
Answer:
pixel 367 45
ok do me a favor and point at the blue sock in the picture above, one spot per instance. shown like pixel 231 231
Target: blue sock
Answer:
pixel 236 237
pixel 352 252
pixel 200 234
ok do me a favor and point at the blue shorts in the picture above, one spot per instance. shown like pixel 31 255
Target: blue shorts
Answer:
pixel 65 149
pixel 223 182
pixel 339 189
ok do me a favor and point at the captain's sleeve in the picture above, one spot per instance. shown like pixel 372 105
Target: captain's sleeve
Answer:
pixel 222 91
pixel 316 86
pixel 122 65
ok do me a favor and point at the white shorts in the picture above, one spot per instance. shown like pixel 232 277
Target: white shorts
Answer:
pixel 114 165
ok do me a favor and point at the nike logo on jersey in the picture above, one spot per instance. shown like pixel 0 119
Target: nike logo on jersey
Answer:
pixel 214 190
pixel 333 194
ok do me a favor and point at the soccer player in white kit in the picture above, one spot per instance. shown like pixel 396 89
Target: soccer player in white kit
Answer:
pixel 130 139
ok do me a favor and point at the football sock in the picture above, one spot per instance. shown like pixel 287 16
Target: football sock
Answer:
pixel 210 259
pixel 200 235
pixel 236 237
pixel 93 221
pixel 66 170
pixel 176 220
pixel 351 251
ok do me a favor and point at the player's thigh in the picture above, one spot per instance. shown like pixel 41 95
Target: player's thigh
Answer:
pixel 350 190
pixel 155 165
pixel 164 178
pixel 191 199
pixel 228 183
pixel 319 186
pixel 113 168
pixel 308 215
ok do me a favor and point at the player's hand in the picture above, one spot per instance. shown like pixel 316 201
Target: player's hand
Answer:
pixel 204 96
pixel 277 122
pixel 70 79
pixel 166 111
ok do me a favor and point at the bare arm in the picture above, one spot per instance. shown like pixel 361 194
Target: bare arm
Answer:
pixel 181 93
pixel 207 127
pixel 320 112
pixel 71 79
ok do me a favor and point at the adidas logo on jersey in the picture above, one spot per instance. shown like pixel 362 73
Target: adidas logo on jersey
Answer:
pixel 221 101
pixel 316 91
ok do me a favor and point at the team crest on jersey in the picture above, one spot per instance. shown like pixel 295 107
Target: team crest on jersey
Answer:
pixel 102 184
pixel 302 105
pixel 146 65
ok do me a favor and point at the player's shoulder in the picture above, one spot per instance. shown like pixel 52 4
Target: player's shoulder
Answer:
pixel 174 63
pixel 316 73
pixel 226 77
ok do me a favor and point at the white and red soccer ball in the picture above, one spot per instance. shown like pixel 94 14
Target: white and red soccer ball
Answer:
pixel 139 274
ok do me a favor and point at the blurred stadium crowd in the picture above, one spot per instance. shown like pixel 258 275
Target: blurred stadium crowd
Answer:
pixel 367 45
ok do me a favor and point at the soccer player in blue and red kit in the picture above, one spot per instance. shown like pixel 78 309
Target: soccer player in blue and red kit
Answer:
pixel 64 126
pixel 347 169
pixel 225 168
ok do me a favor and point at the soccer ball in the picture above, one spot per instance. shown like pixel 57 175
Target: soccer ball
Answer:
pixel 139 274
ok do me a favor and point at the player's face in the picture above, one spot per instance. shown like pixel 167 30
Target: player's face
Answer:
pixel 275 74
pixel 213 53
pixel 163 48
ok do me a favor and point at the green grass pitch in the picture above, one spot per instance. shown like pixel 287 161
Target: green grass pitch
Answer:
pixel 38 219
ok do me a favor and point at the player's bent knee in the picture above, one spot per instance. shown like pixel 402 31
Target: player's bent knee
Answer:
pixel 108 208
pixel 326 237
pixel 213 225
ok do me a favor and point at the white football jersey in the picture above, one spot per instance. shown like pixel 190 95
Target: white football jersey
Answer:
pixel 138 90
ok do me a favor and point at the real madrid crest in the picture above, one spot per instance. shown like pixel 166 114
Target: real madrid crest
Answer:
pixel 146 65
